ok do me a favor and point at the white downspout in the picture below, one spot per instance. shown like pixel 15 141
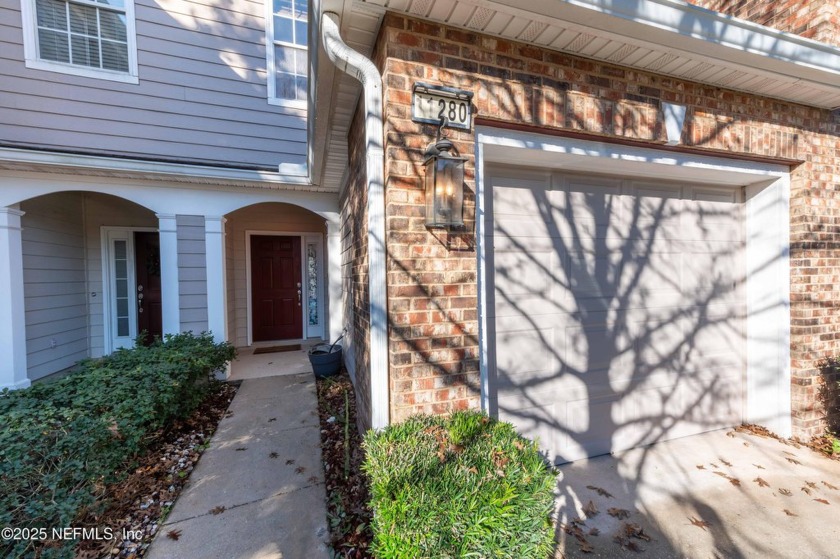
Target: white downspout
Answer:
pixel 361 68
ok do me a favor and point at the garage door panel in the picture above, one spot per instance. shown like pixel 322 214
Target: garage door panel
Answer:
pixel 620 316
pixel 527 351
pixel 591 348
pixel 527 282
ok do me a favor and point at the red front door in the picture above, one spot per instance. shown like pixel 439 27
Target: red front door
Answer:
pixel 147 266
pixel 276 288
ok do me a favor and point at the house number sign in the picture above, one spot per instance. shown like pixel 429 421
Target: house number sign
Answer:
pixel 433 104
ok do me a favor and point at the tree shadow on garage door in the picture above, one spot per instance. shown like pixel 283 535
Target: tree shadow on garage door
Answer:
pixel 615 316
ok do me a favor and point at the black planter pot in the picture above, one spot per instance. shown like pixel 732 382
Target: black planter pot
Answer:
pixel 325 360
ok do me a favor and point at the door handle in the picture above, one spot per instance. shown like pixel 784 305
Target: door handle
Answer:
pixel 299 293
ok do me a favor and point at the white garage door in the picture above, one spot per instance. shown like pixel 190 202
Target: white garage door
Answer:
pixel 615 310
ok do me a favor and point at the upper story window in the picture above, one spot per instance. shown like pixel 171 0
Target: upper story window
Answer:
pixel 93 38
pixel 288 69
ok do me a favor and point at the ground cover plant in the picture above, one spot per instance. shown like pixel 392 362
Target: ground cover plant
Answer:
pixel 62 442
pixel 458 486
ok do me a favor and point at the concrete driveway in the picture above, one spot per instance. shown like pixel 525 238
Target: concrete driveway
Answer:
pixel 722 494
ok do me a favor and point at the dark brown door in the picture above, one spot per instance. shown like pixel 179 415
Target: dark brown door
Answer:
pixel 276 288
pixel 147 266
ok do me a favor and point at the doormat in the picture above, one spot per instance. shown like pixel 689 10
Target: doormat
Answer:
pixel 277 349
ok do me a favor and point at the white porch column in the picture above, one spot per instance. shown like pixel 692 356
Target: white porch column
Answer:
pixel 333 276
pixel 170 293
pixel 214 241
pixel 12 314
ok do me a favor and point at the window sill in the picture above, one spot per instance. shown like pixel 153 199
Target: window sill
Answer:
pixel 292 104
pixel 83 71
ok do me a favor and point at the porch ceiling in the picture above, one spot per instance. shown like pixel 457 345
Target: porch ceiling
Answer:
pixel 668 37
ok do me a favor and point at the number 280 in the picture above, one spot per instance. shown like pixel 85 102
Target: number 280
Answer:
pixel 454 112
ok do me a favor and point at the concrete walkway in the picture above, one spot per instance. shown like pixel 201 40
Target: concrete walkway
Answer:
pixel 258 490
pixel 719 494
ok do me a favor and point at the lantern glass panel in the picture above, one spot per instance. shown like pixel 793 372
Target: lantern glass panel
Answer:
pixel 444 191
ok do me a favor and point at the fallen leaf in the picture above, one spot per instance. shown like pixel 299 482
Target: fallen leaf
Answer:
pixel 758 466
pixel 217 510
pixel 787 512
pixel 173 534
pixel 729 464
pixel 793 461
pixel 270 419
pixel 590 509
pixel 730 434
pixel 761 482
pixel 700 523
pixel 241 448
pixel 834 487
pixel 721 474
pixel 735 481
pixel 602 492
pixel 811 484
pixel 700 467
pixel 788 453
pixel 300 470
pixel 586 547
pixel 578 521
pixel 634 531
pixel 618 513
pixel 290 461
pixel 313 479
pixel 823 501
pixel 713 465
pixel 806 490
pixel 594 531
pixel 746 443
pixel 273 455
pixel 785 492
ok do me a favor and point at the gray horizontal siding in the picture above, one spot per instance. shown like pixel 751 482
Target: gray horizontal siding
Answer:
pixel 192 273
pixel 54 283
pixel 201 96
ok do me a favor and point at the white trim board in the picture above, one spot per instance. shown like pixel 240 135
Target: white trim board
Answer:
pixel 767 223
pixel 302 236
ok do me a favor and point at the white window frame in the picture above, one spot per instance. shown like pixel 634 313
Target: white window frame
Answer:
pixel 271 64
pixel 35 62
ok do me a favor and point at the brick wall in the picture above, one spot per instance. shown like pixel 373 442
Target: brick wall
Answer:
pixel 354 250
pixel 813 19
pixel 432 302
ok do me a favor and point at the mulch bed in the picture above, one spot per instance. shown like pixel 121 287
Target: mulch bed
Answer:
pixel 139 503
pixel 343 455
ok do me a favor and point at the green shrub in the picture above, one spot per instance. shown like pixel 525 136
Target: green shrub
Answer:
pixel 462 486
pixel 60 442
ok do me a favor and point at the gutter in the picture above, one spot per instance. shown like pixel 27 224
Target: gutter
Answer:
pixel 358 66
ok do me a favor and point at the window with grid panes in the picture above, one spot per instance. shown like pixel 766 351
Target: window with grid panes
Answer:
pixel 290 28
pixel 86 33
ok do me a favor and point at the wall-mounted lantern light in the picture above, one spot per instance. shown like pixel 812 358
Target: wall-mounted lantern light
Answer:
pixel 444 185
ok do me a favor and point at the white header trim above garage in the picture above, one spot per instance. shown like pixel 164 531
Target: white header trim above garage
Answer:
pixel 548 152
pixel 767 222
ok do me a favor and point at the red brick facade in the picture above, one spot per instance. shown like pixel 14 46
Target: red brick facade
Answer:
pixel 812 19
pixel 354 268
pixel 432 290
